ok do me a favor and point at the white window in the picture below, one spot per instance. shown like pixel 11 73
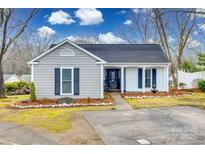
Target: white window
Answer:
pixel 67 52
pixel 66 81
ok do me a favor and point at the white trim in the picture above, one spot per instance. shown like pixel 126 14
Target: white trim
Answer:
pixel 167 78
pixel 143 79
pixel 102 81
pixel 101 62
pixel 31 63
pixel 139 63
pixel 32 73
pixel 122 80
pixel 58 45
pixel 72 83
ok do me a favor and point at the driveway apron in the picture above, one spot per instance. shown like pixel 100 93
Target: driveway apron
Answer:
pixel 175 125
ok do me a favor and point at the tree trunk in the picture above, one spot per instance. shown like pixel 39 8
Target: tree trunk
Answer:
pixel 172 69
pixel 1 81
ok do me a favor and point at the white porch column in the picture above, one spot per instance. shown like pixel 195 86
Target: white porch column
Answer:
pixel 122 80
pixel 102 81
pixel 143 79
pixel 32 74
pixel 167 79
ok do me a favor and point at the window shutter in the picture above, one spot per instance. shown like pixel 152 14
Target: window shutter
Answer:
pixel 139 78
pixel 76 81
pixel 154 77
pixel 57 81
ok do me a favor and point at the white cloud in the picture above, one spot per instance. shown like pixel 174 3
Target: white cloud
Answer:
pixel 200 15
pixel 171 39
pixel 195 33
pixel 60 17
pixel 127 22
pixel 136 10
pixel 146 10
pixel 109 38
pixel 201 26
pixel 73 38
pixel 45 32
pixel 121 12
pixel 89 16
pixel 192 43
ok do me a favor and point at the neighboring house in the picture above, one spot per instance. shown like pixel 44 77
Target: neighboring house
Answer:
pixel 26 78
pixel 11 78
pixel 87 70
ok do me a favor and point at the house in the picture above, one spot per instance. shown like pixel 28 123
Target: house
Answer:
pixel 11 78
pixel 26 78
pixel 87 70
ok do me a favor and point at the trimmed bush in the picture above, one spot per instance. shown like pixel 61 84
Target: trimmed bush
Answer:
pixel 16 88
pixel 66 100
pixel 201 85
pixel 32 92
pixel 182 85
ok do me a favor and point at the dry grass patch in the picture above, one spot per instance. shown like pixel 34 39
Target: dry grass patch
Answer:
pixel 197 99
pixel 6 102
pixel 53 120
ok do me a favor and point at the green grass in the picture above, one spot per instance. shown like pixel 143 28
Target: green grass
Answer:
pixel 54 120
pixel 195 100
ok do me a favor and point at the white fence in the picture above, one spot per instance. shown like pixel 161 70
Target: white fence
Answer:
pixel 190 79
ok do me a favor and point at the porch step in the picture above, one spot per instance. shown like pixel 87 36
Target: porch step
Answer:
pixel 120 103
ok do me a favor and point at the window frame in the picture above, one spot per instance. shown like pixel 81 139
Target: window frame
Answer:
pixel 150 78
pixel 61 80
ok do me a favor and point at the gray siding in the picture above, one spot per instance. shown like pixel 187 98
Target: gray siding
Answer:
pixel 89 73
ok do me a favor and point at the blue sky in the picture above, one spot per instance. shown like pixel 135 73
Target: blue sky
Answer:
pixel 104 23
pixel 112 18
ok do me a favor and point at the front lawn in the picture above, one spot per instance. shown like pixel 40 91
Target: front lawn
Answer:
pixel 51 119
pixel 197 99
pixel 6 102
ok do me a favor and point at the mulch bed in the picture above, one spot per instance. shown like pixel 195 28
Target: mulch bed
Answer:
pixel 45 103
pixel 171 93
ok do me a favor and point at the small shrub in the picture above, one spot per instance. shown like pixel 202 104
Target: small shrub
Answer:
pixel 181 85
pixel 32 92
pixel 201 85
pixel 66 100
pixel 11 87
pixel 16 88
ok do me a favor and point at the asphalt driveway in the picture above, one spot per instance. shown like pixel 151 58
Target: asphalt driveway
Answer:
pixel 176 125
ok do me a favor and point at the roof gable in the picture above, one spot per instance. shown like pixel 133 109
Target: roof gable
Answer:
pixel 33 61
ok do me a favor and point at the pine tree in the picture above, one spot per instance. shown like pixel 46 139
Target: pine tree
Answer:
pixel 32 92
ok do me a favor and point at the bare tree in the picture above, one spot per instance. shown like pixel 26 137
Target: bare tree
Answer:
pixel 141 30
pixel 28 46
pixel 171 28
pixel 9 35
pixel 85 39
pixel 185 24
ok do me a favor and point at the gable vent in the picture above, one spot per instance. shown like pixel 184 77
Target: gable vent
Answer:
pixel 66 52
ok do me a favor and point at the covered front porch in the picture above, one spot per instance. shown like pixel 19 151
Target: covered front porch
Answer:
pixel 134 78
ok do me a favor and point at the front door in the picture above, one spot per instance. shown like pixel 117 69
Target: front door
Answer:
pixel 113 79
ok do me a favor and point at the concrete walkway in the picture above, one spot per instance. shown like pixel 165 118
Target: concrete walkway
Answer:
pixel 16 134
pixel 120 103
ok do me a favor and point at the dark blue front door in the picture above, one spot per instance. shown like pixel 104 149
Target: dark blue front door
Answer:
pixel 112 79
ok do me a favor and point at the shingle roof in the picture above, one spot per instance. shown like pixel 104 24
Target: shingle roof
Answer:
pixel 127 53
